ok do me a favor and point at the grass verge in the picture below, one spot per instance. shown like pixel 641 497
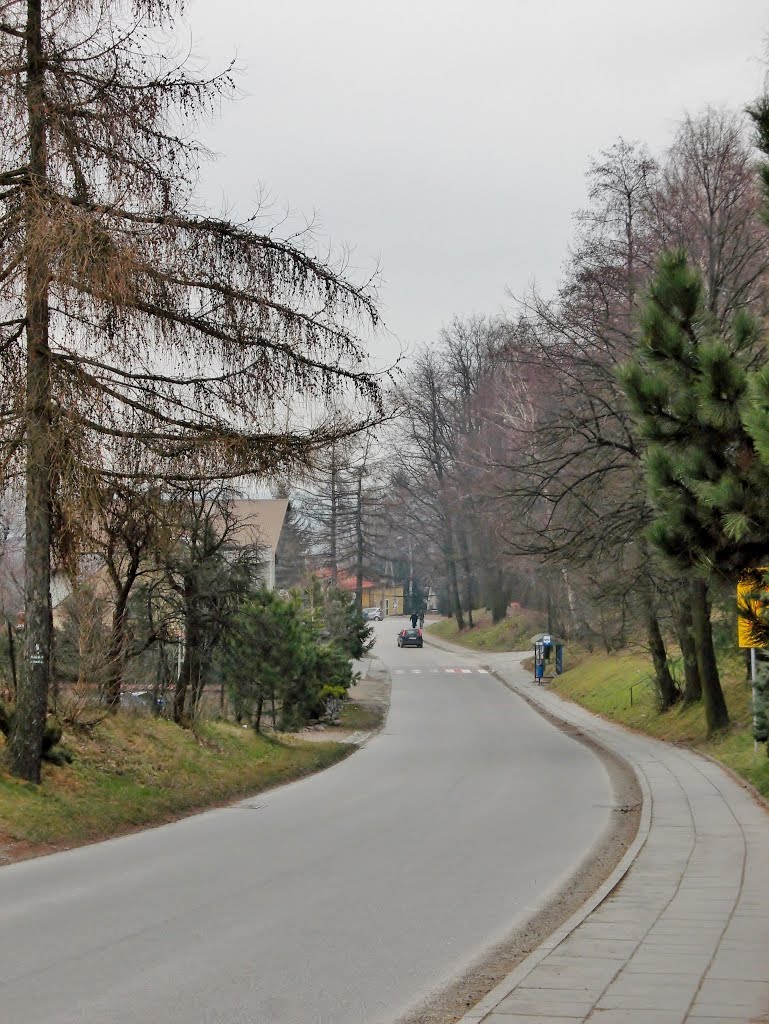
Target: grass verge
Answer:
pixel 363 716
pixel 137 771
pixel 511 634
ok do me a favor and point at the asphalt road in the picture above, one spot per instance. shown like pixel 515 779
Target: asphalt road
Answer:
pixel 346 897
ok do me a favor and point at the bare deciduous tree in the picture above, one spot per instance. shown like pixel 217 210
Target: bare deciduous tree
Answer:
pixel 124 314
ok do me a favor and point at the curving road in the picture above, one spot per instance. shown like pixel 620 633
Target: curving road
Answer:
pixel 341 899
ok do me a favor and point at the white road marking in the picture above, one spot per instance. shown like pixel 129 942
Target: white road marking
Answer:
pixel 433 671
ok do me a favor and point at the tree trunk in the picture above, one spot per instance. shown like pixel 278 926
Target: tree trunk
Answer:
pixel 333 525
pixel 195 694
pixel 26 739
pixel 161 681
pixel 12 658
pixel 685 630
pixel 114 684
pixel 716 714
pixel 359 548
pixel 53 679
pixel 667 691
pixel 467 575
pixel 499 596
pixel 189 668
pixel 452 576
pixel 451 573
pixel 193 677
pixel 117 650
pixel 180 690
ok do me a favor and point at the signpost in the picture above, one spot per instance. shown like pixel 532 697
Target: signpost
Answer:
pixel 545 644
pixel 751 583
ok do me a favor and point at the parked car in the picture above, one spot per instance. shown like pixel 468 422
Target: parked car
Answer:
pixel 410 638
pixel 372 614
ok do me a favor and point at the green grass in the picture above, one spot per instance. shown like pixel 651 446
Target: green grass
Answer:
pixel 511 634
pixel 364 716
pixel 603 683
pixel 137 771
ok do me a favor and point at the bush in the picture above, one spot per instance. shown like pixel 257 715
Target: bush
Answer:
pixel 279 655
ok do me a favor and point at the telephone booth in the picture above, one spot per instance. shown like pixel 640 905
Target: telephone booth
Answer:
pixel 548 656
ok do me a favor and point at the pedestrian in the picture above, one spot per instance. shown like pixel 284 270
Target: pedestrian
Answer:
pixel 414 618
pixel 421 620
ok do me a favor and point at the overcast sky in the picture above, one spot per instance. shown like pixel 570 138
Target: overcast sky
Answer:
pixel 448 139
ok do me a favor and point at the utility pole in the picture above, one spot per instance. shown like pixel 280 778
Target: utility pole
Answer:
pixel 411 576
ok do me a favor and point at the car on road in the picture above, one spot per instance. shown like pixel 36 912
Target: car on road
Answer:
pixel 372 614
pixel 410 638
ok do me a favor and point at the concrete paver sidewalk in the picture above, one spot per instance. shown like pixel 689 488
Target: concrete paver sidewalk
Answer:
pixel 680 932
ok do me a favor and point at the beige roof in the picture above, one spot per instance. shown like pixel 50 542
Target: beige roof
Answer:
pixel 261 520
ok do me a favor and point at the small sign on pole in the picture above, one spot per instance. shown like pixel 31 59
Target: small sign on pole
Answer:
pixel 751 584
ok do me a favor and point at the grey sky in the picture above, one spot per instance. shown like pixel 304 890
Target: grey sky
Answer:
pixel 449 139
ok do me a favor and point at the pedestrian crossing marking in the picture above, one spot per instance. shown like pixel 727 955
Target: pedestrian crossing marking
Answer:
pixel 439 671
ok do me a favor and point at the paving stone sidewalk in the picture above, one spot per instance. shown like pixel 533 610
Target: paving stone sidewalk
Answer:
pixel 680 932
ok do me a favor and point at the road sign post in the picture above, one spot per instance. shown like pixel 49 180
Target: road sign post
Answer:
pixel 752 595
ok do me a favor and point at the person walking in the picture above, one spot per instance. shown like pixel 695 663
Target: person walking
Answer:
pixel 421 620
pixel 414 619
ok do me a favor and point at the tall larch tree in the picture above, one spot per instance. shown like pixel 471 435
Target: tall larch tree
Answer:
pixel 125 313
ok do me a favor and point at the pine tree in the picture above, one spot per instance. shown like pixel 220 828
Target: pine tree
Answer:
pixel 687 388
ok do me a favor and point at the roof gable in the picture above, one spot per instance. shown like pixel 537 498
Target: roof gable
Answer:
pixel 260 520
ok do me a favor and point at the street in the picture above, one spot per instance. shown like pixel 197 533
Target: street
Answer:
pixel 344 898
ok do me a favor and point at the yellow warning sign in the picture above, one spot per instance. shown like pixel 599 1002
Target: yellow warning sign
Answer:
pixel 751 583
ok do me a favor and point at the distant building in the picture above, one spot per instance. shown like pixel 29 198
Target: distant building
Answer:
pixel 384 595
pixel 260 523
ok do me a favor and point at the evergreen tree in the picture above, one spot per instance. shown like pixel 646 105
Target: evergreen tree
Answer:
pixel 261 655
pixel 687 388
pixel 277 653
pixel 292 554
pixel 345 624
